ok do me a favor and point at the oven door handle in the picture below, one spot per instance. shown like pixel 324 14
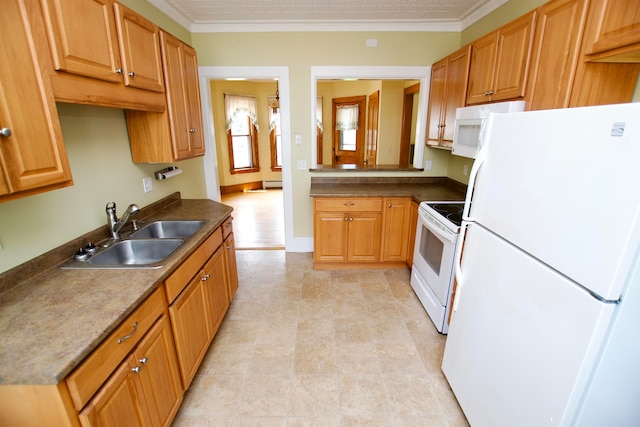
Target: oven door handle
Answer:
pixel 457 262
pixel 435 229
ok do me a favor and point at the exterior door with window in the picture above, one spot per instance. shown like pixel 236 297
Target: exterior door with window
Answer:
pixel 348 135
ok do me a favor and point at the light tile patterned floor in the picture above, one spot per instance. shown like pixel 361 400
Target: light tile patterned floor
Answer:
pixel 301 347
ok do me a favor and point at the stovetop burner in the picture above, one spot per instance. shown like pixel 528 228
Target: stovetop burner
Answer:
pixel 451 211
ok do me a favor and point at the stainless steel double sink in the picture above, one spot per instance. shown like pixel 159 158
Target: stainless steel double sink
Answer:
pixel 147 247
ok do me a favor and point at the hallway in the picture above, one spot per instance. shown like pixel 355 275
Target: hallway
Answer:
pixel 258 218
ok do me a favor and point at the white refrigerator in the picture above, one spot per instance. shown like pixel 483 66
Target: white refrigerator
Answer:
pixel 546 323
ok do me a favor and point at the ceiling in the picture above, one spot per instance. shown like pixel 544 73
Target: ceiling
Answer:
pixel 326 15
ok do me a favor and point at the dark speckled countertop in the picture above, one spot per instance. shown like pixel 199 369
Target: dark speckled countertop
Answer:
pixel 419 188
pixel 51 319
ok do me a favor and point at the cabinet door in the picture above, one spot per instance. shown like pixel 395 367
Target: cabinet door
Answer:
pixel 215 285
pixel 330 236
pixel 177 102
pixel 83 38
pixel 159 374
pixel 140 50
pixel 618 23
pixel 364 236
pixel 436 101
pixel 190 329
pixel 555 53
pixel 456 90
pixel 194 109
pixel 413 223
pixel 483 58
pixel 512 58
pixel 395 237
pixel 33 155
pixel 231 266
pixel 117 403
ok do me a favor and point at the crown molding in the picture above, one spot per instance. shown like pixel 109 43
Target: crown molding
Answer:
pixel 253 26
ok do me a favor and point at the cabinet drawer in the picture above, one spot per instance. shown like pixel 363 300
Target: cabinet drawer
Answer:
pixel 95 369
pixel 183 274
pixel 227 227
pixel 348 204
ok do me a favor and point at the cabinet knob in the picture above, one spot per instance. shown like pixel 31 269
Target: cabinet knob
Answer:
pixel 192 130
pixel 144 360
pixel 136 370
pixel 205 277
pixel 346 218
pixel 5 132
pixel 131 74
pixel 118 70
pixel 489 92
pixel 350 219
pixel 229 247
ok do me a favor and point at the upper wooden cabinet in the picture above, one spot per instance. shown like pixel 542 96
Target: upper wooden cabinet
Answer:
pixel 104 40
pixel 448 89
pixel 83 38
pixel 555 54
pixel 177 133
pixel 139 41
pixel 500 61
pixel 103 54
pixel 32 153
pixel 617 37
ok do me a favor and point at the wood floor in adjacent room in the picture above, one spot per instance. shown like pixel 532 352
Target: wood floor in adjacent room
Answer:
pixel 258 218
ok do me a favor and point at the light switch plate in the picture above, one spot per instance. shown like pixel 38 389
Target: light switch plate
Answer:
pixel 302 165
pixel 147 184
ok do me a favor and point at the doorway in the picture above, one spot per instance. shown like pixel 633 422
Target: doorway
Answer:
pixel 210 160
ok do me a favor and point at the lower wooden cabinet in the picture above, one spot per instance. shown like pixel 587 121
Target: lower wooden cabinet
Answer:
pixel 231 265
pixel 395 237
pixel 361 232
pixel 413 223
pixel 347 229
pixel 198 311
pixel 145 390
pixel 190 329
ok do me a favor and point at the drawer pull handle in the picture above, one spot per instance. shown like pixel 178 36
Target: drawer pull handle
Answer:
pixel 348 204
pixel 136 370
pixel 126 337
pixel 144 360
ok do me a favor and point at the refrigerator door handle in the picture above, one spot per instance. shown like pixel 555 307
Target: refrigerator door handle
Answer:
pixel 475 168
pixel 458 264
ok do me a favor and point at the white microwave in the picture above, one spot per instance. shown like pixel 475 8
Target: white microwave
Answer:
pixel 469 125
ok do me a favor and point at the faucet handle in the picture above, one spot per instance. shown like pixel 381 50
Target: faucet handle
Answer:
pixel 111 207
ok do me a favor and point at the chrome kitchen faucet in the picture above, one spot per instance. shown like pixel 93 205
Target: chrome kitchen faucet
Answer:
pixel 115 224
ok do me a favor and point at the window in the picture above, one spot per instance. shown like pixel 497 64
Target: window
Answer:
pixel 275 136
pixel 242 133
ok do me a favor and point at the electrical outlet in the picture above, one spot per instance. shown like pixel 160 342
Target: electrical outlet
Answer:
pixel 298 139
pixel 428 165
pixel 302 165
pixel 465 170
pixel 147 184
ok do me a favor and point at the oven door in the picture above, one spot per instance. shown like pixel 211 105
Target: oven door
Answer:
pixel 434 252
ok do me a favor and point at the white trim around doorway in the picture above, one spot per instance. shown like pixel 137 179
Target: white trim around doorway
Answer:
pixel 210 158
